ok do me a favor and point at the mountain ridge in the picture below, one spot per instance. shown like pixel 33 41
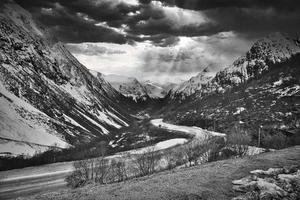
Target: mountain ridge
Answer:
pixel 46 92
pixel 271 49
pixel 260 91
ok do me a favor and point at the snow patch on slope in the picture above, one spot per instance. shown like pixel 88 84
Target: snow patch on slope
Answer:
pixel 22 122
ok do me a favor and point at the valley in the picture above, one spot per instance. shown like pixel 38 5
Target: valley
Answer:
pixel 211 180
pixel 71 131
pixel 50 177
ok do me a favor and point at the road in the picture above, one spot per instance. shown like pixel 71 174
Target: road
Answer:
pixel 50 177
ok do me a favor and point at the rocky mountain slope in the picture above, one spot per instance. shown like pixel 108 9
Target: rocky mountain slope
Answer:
pixel 47 98
pixel 193 85
pixel 155 90
pixel 267 51
pixel 128 86
pixel 138 91
pixel 259 90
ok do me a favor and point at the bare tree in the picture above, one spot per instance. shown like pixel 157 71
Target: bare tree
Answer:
pixel 80 175
pixel 147 161
pixel 118 170
pixel 101 170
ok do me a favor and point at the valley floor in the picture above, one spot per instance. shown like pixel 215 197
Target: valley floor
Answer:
pixel 47 178
pixel 208 181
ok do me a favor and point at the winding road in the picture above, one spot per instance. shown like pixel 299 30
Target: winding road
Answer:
pixel 50 177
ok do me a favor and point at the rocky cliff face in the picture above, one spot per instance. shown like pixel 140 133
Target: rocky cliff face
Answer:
pixel 46 96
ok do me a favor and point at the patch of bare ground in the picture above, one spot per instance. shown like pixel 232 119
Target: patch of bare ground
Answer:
pixel 207 181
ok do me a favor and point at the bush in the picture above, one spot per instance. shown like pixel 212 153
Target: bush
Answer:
pixel 147 161
pixel 215 147
pixel 118 171
pixel 237 143
pixel 102 168
pixel 75 180
pixel 206 149
pixel 274 141
pixel 80 175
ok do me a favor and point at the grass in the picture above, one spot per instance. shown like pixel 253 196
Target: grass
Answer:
pixel 208 181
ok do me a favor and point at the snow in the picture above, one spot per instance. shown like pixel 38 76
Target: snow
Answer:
pixel 239 110
pixel 117 118
pixel 154 90
pixel 277 83
pixel 77 93
pixel 104 118
pixel 128 86
pixel 22 122
pixel 72 121
pixel 194 84
pixel 104 130
pixel 289 91
pixel 19 148
pixel 17 101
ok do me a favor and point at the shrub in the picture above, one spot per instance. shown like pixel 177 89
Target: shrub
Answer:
pixel 215 147
pixel 274 141
pixel 118 171
pixel 237 143
pixel 147 161
pixel 172 159
pixel 75 179
pixel 101 170
pixel 80 175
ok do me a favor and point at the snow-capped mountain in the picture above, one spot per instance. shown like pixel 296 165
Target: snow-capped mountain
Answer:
pixel 267 51
pixel 155 90
pixel 47 98
pixel 260 89
pixel 193 85
pixel 272 49
pixel 128 86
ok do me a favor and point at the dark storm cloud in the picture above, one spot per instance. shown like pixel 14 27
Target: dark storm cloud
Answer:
pixel 74 20
pixel 255 18
pixel 252 22
pixel 92 49
pixel 287 5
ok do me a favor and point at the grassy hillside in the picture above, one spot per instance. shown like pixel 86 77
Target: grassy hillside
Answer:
pixel 208 181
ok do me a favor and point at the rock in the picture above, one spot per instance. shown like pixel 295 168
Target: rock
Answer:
pixel 290 169
pixel 269 172
pixel 270 188
pixel 272 184
pixel 253 195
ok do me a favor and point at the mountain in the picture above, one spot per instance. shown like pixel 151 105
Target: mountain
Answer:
pixel 272 49
pixel 259 90
pixel 47 98
pixel 128 86
pixel 155 90
pixel 193 85
pixel 139 91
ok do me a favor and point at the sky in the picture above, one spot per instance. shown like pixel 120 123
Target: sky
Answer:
pixel 163 40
